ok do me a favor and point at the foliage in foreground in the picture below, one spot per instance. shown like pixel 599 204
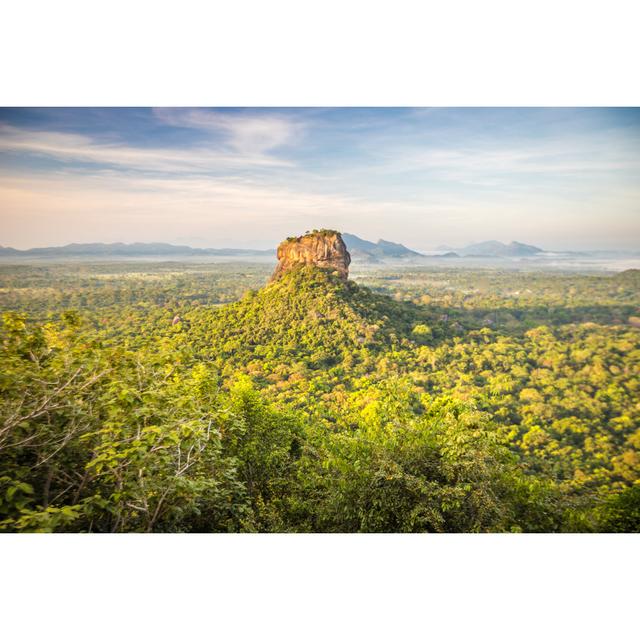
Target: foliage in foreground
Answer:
pixel 107 440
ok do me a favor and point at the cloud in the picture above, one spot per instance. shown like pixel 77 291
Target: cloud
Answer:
pixel 499 162
pixel 71 147
pixel 115 206
pixel 221 197
pixel 60 208
pixel 246 134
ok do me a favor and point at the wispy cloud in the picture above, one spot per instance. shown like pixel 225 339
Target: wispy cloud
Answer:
pixel 251 135
pixel 71 147
pixel 242 212
pixel 106 205
pixel 500 161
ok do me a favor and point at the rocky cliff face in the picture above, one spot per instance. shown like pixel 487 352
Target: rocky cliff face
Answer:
pixel 324 249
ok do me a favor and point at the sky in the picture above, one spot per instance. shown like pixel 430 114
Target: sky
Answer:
pixel 557 178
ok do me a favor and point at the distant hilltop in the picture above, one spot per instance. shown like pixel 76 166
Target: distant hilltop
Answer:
pixel 373 251
pixel 493 248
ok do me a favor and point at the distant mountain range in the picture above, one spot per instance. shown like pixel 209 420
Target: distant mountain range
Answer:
pixel 374 251
pixel 364 249
pixel 360 250
pixel 120 249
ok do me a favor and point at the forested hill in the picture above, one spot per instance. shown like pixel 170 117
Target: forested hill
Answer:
pixel 312 315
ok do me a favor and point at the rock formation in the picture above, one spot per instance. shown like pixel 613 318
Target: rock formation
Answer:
pixel 324 249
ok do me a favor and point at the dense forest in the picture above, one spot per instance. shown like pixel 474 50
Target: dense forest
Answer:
pixel 168 397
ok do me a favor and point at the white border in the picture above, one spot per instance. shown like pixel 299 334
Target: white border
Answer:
pixel 330 53
pixel 312 586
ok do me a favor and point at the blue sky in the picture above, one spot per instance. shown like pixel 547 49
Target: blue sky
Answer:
pixel 557 178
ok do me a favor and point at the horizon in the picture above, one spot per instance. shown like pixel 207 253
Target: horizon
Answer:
pixel 231 247
pixel 561 179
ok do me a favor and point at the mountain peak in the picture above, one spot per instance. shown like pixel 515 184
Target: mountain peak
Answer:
pixel 494 248
pixel 374 251
pixel 324 249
